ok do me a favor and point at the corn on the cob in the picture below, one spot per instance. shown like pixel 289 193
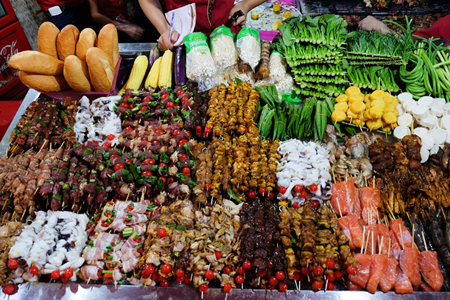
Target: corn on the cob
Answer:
pixel 153 76
pixel 138 72
pixel 165 72
pixel 276 7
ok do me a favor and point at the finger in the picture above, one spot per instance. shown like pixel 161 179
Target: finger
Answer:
pixel 175 36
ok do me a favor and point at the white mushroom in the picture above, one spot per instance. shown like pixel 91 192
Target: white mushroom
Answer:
pixel 426 101
pixel 405 120
pixel 403 97
pixel 401 131
pixel 439 135
pixel 424 154
pixel 427 141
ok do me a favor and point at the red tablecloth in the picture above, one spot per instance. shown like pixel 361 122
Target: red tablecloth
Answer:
pixel 8 110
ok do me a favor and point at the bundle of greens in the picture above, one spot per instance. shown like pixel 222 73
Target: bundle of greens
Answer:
pixel 313 47
pixel 373 78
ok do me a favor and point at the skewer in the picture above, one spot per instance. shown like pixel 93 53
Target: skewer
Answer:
pixel 339 207
pixel 401 233
pixel 372 243
pixel 413 237
pixel 24 211
pixel 89 279
pixel 381 245
pixel 367 242
pixel 5 204
pixel 127 197
pixel 364 234
pixel 425 241
pixel 12 217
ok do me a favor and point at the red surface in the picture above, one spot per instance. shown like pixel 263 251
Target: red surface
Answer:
pixel 8 110
pixel 440 29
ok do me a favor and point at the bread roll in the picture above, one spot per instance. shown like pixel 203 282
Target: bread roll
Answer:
pixel 100 71
pixel 44 83
pixel 36 62
pixel 108 41
pixel 87 40
pixel 67 41
pixel 46 39
pixel 76 74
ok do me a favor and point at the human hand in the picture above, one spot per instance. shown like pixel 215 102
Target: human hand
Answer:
pixel 239 7
pixel 134 31
pixel 166 43
pixel 370 24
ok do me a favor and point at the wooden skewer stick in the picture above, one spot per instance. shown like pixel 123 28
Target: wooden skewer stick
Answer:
pixel 401 233
pixel 381 245
pixel 364 233
pixel 425 241
pixel 12 217
pixel 372 244
pixel 413 237
pixel 127 197
pixel 23 215
pixel 89 279
pixel 339 207
pixel 367 242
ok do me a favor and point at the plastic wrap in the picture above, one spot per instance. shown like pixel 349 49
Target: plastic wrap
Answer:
pixel 223 49
pixel 277 66
pixel 199 63
pixel 249 47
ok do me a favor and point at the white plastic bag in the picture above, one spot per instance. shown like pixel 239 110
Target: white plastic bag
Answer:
pixel 223 49
pixel 249 46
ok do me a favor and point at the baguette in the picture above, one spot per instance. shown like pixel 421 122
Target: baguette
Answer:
pixel 36 62
pixel 67 41
pixel 108 41
pixel 100 71
pixel 87 40
pixel 46 39
pixel 76 74
pixel 43 83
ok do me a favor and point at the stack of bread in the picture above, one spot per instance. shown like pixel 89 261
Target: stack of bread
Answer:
pixel 70 59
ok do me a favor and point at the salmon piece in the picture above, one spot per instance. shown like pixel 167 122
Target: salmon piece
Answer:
pixel 396 249
pixel 363 272
pixel 355 230
pixel 344 193
pixel 424 287
pixel 395 227
pixel 372 235
pixel 389 277
pixel 362 222
pixel 429 267
pixel 354 286
pixel 376 272
pixel 357 209
pixel 370 198
pixel 409 263
pixel 402 285
pixel 343 223
pixel 383 232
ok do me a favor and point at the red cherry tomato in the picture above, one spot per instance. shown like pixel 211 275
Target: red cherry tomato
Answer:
pixel 144 108
pixel 155 276
pixel 186 171
pixel 315 203
pixel 331 277
pixel 240 270
pixel 262 273
pixel 280 275
pixel 182 156
pixel 330 286
pixel 198 128
pixel 176 132
pixel 182 142
pixel 282 287
pixel 68 273
pixel 313 187
pixel 114 156
pixel 162 165
pixel 318 270
pixel 226 270
pixel 164 283
pixel 304 271
pixel 149 161
pixel 107 144
pixel 124 105
pixel 8 289
pixel 179 273
pixel 218 254
pixel 329 263
pixel 207 130
pixel 271 195
pixel 209 274
pixel 95 143
pixel 126 97
pixel 166 268
pixel 273 280
pixel 118 167
pixel 227 287
pixel 33 270
pixel 283 190
pixel 270 264
pixel 170 104
pixel 187 281
pixel 145 274
pixel 163 179
pixel 296 204
pixel 262 190
pixel 298 188
pixel 203 288
pixel 162 232
pixel 303 194
pixel 129 128
pixel 185 98
pixel 239 279
pixel 159 131
pixel 171 180
pixel 247 265
pixel 351 269
pixel 55 274
pixel 317 285
pixel 297 276
pixel 180 91
pixel 149 269
pixel 110 137
pixel 180 279
pixel 146 99
pixel 338 275
pixel 128 161
pixel 64 278
pixel 251 194
pixel 147 173
pixel 13 263
pixel 208 187
pixel 164 96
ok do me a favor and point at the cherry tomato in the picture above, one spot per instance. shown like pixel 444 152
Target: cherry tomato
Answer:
pixel 170 104
pixel 303 194
pixel 8 289
pixel 262 286
pixel 318 270
pixel 180 279
pixel 179 273
pixel 155 276
pixel 176 132
pixel 198 128
pixel 171 180
pixel 209 274
pixel 273 280
pixel 147 173
pixel 146 99
pixel 180 91
pixel 155 142
pixel 110 137
pixel 226 270
pixel 182 156
pixel 280 275
pixel 149 269
pixel 283 190
pixel 239 279
pixel 296 204
pixel 338 275
pixel 184 99
pixel 128 161
pixel 164 283
pixel 162 165
pixel 107 144
pixel 129 128
pixel 329 263
pixel 251 194
pixel 297 276
pixel 218 254
pixel 95 143
pixel 227 287
pixel 351 269
pixel 331 277
pixel 118 167
pixel 166 268
pixel 270 264
pixel 271 195
pixel 182 142
pixel 186 171
pixel 159 131
pixel 114 156
pixel 64 278
pixel 313 187
pixel 203 288
pixel 208 187
pixel 124 105
pixel 262 190
pixel 55 274
pixel 145 274
pixel 149 161
pixel 330 286
pixel 68 273
pixel 240 270
pixel 247 265
pixel 317 285
pixel 126 97
pixel 144 108
pixel 262 273
pixel 304 271
pixel 163 179
pixel 207 130
pixel 298 188
pixel 187 281
pixel 164 96
pixel 33 270
pixel 315 203
pixel 162 232
pixel 282 287
pixel 13 263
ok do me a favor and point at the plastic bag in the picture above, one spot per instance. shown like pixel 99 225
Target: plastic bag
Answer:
pixel 223 49
pixel 199 63
pixel 277 66
pixel 249 47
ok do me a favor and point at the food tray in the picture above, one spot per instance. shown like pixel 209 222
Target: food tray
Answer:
pixel 91 95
